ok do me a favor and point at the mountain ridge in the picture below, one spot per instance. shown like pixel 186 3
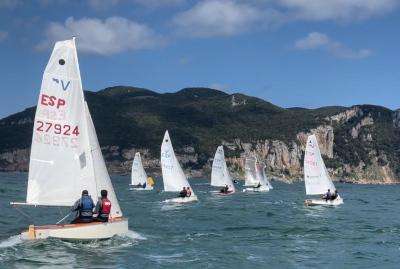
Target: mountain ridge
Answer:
pixel 354 140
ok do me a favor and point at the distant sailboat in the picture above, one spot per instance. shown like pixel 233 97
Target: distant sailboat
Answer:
pixel 65 155
pixel 254 178
pixel 219 174
pixel 260 167
pixel 173 177
pixel 139 178
pixel 316 177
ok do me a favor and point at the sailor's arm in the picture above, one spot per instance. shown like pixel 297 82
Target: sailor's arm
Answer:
pixel 76 205
pixel 97 208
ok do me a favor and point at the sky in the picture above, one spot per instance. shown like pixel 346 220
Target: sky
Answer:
pixel 293 53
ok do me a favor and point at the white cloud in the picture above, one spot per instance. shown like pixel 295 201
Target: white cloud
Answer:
pixel 3 35
pixel 317 40
pixel 113 35
pixel 347 10
pixel 230 17
pixel 216 18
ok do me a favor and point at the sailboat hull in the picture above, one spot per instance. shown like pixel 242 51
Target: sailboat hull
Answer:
pixel 323 202
pixel 253 189
pixel 81 231
pixel 229 192
pixel 182 199
pixel 141 189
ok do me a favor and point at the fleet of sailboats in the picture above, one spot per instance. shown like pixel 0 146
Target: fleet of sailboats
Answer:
pixel 66 158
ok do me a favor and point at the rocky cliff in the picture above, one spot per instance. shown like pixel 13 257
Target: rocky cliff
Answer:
pixel 359 144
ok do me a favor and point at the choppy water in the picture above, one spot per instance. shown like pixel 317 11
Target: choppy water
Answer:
pixel 245 230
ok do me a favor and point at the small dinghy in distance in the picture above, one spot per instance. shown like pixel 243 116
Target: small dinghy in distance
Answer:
pixel 254 176
pixel 173 177
pixel 316 177
pixel 65 155
pixel 139 177
pixel 220 176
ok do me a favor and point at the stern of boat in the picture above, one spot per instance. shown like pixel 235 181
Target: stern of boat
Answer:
pixel 81 231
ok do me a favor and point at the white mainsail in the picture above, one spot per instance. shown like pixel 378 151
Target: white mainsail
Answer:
pixel 173 177
pixel 138 176
pixel 266 180
pixel 219 173
pixel 260 175
pixel 65 154
pixel 250 172
pixel 316 177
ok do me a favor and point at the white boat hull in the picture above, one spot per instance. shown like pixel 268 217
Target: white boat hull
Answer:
pixel 81 231
pixel 253 189
pixel 323 202
pixel 182 199
pixel 141 189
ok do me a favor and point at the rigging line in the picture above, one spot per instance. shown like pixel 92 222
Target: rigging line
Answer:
pixel 66 216
pixel 23 214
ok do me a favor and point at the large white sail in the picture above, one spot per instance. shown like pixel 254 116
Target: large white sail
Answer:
pixel 260 174
pixel 219 173
pixel 173 177
pixel 316 177
pixel 102 179
pixel 250 172
pixel 65 155
pixel 138 176
pixel 266 180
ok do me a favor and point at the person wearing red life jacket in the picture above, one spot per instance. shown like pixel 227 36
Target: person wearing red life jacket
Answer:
pixel 103 207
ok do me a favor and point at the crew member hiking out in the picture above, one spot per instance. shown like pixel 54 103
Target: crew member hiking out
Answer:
pixel 327 196
pixel 334 195
pixel 103 207
pixel 188 192
pixel 183 192
pixel 84 208
pixel 225 189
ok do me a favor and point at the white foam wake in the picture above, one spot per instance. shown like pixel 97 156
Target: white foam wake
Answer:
pixel 133 235
pixel 12 241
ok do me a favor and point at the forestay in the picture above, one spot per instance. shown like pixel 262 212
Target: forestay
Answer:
pixel 65 154
pixel 316 177
pixel 138 176
pixel 219 173
pixel 173 177
pixel 250 172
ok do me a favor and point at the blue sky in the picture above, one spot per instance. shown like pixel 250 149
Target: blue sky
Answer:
pixel 289 52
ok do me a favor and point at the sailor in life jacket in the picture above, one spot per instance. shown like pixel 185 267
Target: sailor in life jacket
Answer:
pixel 103 207
pixel 84 208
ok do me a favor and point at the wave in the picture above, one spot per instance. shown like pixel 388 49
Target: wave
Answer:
pixel 13 241
pixel 133 235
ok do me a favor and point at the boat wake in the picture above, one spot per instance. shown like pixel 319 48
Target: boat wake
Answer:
pixel 12 241
pixel 122 240
pixel 133 235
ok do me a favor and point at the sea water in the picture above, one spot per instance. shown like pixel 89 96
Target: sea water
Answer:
pixel 244 230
